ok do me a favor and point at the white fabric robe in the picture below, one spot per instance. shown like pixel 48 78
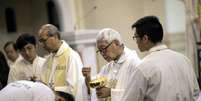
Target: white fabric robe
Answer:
pixel 74 78
pixel 23 70
pixel 11 64
pixel 120 70
pixel 163 75
pixel 26 91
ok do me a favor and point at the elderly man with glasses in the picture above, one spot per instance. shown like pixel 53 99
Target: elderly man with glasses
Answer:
pixel 121 64
pixel 63 66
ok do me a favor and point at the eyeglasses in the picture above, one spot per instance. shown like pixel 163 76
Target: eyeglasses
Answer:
pixel 43 40
pixel 135 37
pixel 103 49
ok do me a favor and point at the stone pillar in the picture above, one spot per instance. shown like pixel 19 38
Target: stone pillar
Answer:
pixel 66 14
pixel 84 41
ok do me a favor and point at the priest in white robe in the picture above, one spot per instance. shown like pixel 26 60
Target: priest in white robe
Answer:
pixel 121 64
pixel 163 75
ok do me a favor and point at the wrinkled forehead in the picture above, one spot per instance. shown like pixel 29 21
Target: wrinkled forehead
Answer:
pixel 43 32
pixel 102 43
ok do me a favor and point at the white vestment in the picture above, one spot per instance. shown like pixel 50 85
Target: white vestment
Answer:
pixel 24 70
pixel 26 91
pixel 73 75
pixel 163 75
pixel 119 71
pixel 11 64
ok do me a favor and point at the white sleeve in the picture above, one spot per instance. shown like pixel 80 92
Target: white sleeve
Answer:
pixel 104 70
pixel 46 94
pixel 12 76
pixel 82 94
pixel 74 74
pixel 137 88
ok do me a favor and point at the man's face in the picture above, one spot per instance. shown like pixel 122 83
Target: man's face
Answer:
pixel 11 53
pixel 106 50
pixel 139 41
pixel 47 42
pixel 28 52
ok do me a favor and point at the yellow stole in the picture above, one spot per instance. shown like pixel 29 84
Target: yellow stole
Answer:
pixel 60 72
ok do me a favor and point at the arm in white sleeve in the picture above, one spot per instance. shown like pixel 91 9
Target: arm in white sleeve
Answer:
pixel 12 76
pixel 136 89
pixel 74 74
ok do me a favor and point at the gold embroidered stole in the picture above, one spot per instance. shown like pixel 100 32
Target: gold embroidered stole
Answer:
pixel 59 75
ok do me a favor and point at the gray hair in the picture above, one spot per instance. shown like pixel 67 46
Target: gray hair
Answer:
pixel 109 35
pixel 52 30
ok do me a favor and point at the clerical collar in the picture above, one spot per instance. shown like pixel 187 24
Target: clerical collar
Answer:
pixel 122 56
pixel 158 48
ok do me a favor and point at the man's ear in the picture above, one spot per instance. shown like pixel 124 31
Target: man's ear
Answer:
pixel 145 39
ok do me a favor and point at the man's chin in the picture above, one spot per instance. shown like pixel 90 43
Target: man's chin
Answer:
pixel 142 50
pixel 108 59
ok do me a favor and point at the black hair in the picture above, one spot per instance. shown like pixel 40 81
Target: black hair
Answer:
pixel 66 96
pixel 4 71
pixel 149 26
pixel 24 39
pixel 10 43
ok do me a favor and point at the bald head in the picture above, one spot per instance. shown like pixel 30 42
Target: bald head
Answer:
pixel 50 29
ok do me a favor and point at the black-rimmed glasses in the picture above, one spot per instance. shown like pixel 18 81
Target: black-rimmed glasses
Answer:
pixel 135 37
pixel 43 40
pixel 103 49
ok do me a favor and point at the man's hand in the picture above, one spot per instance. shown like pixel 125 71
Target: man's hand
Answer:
pixel 103 92
pixel 86 71
pixel 33 78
